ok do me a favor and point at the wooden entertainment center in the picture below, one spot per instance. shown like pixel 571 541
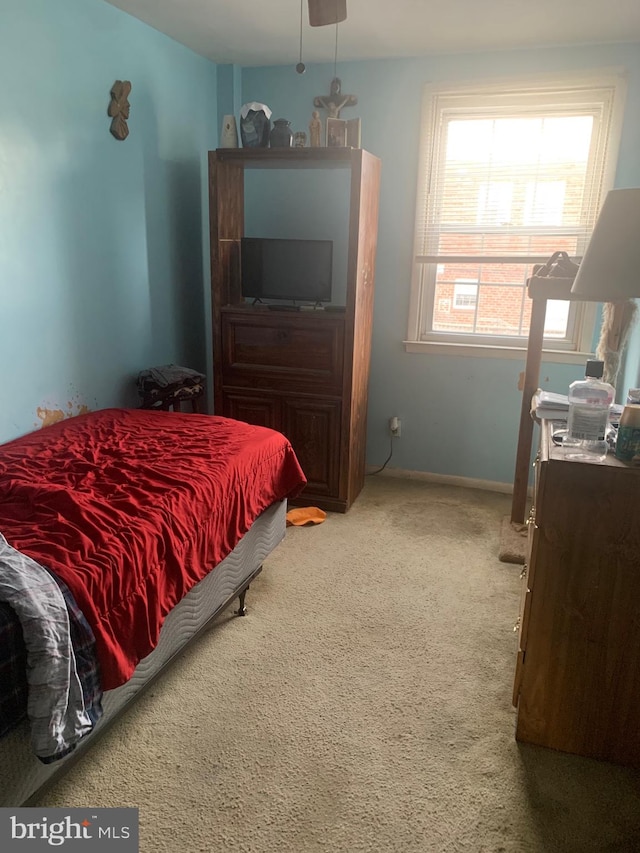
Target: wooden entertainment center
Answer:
pixel 303 373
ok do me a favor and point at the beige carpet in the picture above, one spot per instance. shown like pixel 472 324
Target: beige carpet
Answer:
pixel 362 705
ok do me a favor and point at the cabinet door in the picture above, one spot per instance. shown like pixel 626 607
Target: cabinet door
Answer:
pixel 259 409
pixel 313 428
pixel 294 353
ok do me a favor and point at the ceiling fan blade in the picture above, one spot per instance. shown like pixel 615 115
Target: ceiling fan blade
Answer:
pixel 324 12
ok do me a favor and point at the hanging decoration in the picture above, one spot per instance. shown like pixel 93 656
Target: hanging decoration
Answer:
pixel 321 14
pixel 617 320
pixel 119 109
pixel 301 67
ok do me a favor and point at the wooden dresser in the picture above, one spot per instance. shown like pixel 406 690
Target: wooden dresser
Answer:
pixel 577 682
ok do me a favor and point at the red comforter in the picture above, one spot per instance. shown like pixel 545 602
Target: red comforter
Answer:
pixel 131 508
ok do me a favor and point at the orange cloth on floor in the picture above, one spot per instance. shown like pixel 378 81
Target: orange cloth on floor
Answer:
pixel 305 515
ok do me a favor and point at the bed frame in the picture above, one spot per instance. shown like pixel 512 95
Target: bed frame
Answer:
pixel 23 776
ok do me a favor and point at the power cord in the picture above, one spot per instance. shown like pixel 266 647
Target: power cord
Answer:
pixel 384 465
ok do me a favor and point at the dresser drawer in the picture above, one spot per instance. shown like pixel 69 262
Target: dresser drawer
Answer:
pixel 283 352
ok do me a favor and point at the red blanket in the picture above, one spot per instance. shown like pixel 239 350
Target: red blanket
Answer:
pixel 131 508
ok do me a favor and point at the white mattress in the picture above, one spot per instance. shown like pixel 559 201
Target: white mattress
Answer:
pixel 21 774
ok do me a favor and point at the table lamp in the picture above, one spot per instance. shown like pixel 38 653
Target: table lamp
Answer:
pixel 610 268
pixel 609 273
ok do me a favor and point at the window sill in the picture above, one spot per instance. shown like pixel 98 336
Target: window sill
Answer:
pixel 484 351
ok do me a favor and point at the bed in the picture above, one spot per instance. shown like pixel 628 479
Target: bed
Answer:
pixel 148 524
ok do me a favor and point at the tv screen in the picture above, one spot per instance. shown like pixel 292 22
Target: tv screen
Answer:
pixel 295 270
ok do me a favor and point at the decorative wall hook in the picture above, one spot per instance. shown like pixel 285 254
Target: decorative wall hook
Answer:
pixel 119 109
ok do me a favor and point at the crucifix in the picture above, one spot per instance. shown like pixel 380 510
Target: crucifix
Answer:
pixel 335 100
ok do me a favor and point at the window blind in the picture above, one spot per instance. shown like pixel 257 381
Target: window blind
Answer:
pixel 518 177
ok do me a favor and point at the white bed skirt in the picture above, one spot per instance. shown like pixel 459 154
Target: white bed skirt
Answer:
pixel 22 774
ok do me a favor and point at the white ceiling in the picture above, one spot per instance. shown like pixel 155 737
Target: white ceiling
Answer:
pixel 267 32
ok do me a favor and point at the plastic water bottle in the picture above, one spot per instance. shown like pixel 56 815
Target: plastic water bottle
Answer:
pixel 590 401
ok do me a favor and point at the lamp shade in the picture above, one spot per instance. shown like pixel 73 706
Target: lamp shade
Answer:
pixel 610 268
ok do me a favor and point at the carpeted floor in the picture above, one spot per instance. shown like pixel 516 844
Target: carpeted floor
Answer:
pixel 362 705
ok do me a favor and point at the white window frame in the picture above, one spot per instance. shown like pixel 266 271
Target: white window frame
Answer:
pixel 606 87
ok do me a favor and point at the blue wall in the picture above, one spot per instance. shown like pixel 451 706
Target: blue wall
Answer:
pixel 103 244
pixel 459 415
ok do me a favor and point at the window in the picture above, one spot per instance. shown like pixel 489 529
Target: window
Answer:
pixel 508 175
pixel 465 295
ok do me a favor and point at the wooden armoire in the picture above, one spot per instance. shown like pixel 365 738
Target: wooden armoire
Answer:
pixel 302 373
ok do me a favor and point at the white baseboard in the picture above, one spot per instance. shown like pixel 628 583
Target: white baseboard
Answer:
pixel 445 479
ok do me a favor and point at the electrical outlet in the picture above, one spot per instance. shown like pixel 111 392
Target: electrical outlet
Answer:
pixel 395 427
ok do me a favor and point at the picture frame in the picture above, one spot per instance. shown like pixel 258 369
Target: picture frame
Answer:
pixel 354 133
pixel 336 133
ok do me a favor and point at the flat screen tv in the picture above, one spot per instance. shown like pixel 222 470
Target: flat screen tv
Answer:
pixel 293 270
